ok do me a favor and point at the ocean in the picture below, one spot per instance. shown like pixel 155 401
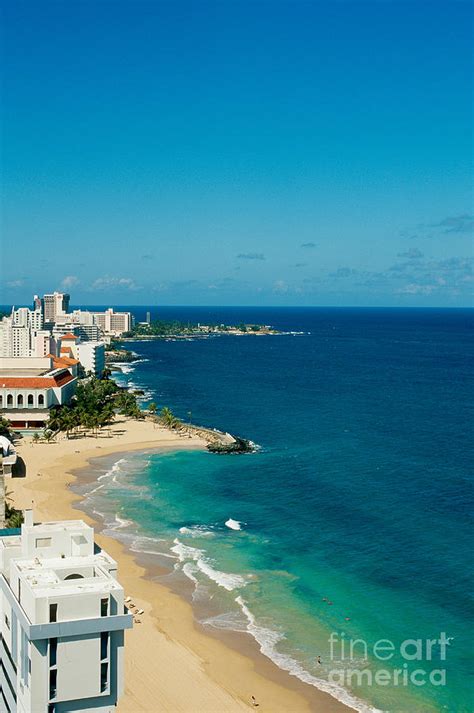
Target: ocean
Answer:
pixel 349 525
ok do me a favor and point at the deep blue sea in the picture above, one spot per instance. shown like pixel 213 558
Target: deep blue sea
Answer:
pixel 355 510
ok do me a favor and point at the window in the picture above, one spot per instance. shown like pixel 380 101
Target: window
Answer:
pixel 53 680
pixel 19 401
pixel 104 644
pixel 43 542
pixel 9 400
pixel 1 401
pixel 74 576
pixel 41 400
pixel 53 613
pixel 53 652
pixel 104 606
pixel 30 400
pixel 104 675
pixel 7 621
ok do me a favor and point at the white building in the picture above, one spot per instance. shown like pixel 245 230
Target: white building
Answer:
pixel 90 354
pixel 22 335
pixel 24 317
pixel 86 332
pixel 30 387
pixel 110 323
pixel 62 621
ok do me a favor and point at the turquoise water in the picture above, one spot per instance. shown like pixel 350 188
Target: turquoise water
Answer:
pixel 354 512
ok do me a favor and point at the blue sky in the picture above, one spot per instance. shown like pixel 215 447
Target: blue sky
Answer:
pixel 237 152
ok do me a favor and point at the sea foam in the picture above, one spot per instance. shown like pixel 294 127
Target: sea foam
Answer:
pixel 222 579
pixel 196 531
pixel 233 524
pixel 267 640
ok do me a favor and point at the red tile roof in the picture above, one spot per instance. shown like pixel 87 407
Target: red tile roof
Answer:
pixel 69 335
pixel 63 378
pixel 64 361
pixel 35 382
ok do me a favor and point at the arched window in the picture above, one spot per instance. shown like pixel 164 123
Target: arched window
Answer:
pixel 74 576
pixel 41 400
pixel 1 400
pixel 19 401
pixel 30 400
pixel 9 400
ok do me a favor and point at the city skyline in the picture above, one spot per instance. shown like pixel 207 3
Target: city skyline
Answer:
pixel 246 154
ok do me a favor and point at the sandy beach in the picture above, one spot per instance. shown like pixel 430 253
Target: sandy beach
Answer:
pixel 172 664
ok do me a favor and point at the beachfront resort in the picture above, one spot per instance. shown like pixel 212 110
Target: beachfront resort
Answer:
pixel 62 610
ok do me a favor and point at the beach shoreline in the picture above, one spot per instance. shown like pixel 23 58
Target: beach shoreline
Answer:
pixel 197 670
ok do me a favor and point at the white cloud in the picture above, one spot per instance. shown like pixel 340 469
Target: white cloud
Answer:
pixel 109 283
pixel 15 283
pixel 69 281
pixel 417 289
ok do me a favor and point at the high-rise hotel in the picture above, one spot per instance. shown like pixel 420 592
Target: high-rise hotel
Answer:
pixel 62 621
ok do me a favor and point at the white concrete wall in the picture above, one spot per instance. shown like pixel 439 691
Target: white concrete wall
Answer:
pixel 78 667
pixel 62 542
pixel 36 363
pixel 78 661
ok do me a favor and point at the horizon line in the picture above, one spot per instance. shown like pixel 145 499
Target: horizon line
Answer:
pixel 276 306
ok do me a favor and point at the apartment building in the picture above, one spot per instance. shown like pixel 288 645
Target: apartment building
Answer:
pixel 109 322
pixel 62 621
pixel 53 306
pixel 90 354
pixel 86 332
pixel 22 335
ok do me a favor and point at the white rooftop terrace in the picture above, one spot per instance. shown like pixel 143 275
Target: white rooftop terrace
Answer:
pixel 49 577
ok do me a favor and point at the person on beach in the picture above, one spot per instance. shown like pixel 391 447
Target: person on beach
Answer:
pixel 254 701
pixel 319 660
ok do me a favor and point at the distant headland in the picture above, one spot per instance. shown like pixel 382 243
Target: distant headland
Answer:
pixel 160 329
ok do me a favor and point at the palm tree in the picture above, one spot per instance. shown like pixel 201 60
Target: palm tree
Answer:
pixel 36 437
pixel 48 435
pixel 54 420
pixel 68 421
pixel 168 418
pixel 107 415
pixel 13 517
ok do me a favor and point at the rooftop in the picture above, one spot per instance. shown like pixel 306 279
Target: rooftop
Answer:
pixel 50 575
pixel 23 372
pixel 50 379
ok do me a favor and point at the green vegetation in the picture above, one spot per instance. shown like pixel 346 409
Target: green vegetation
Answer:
pixel 13 517
pixel 5 428
pixel 168 418
pixel 161 328
pixel 93 407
